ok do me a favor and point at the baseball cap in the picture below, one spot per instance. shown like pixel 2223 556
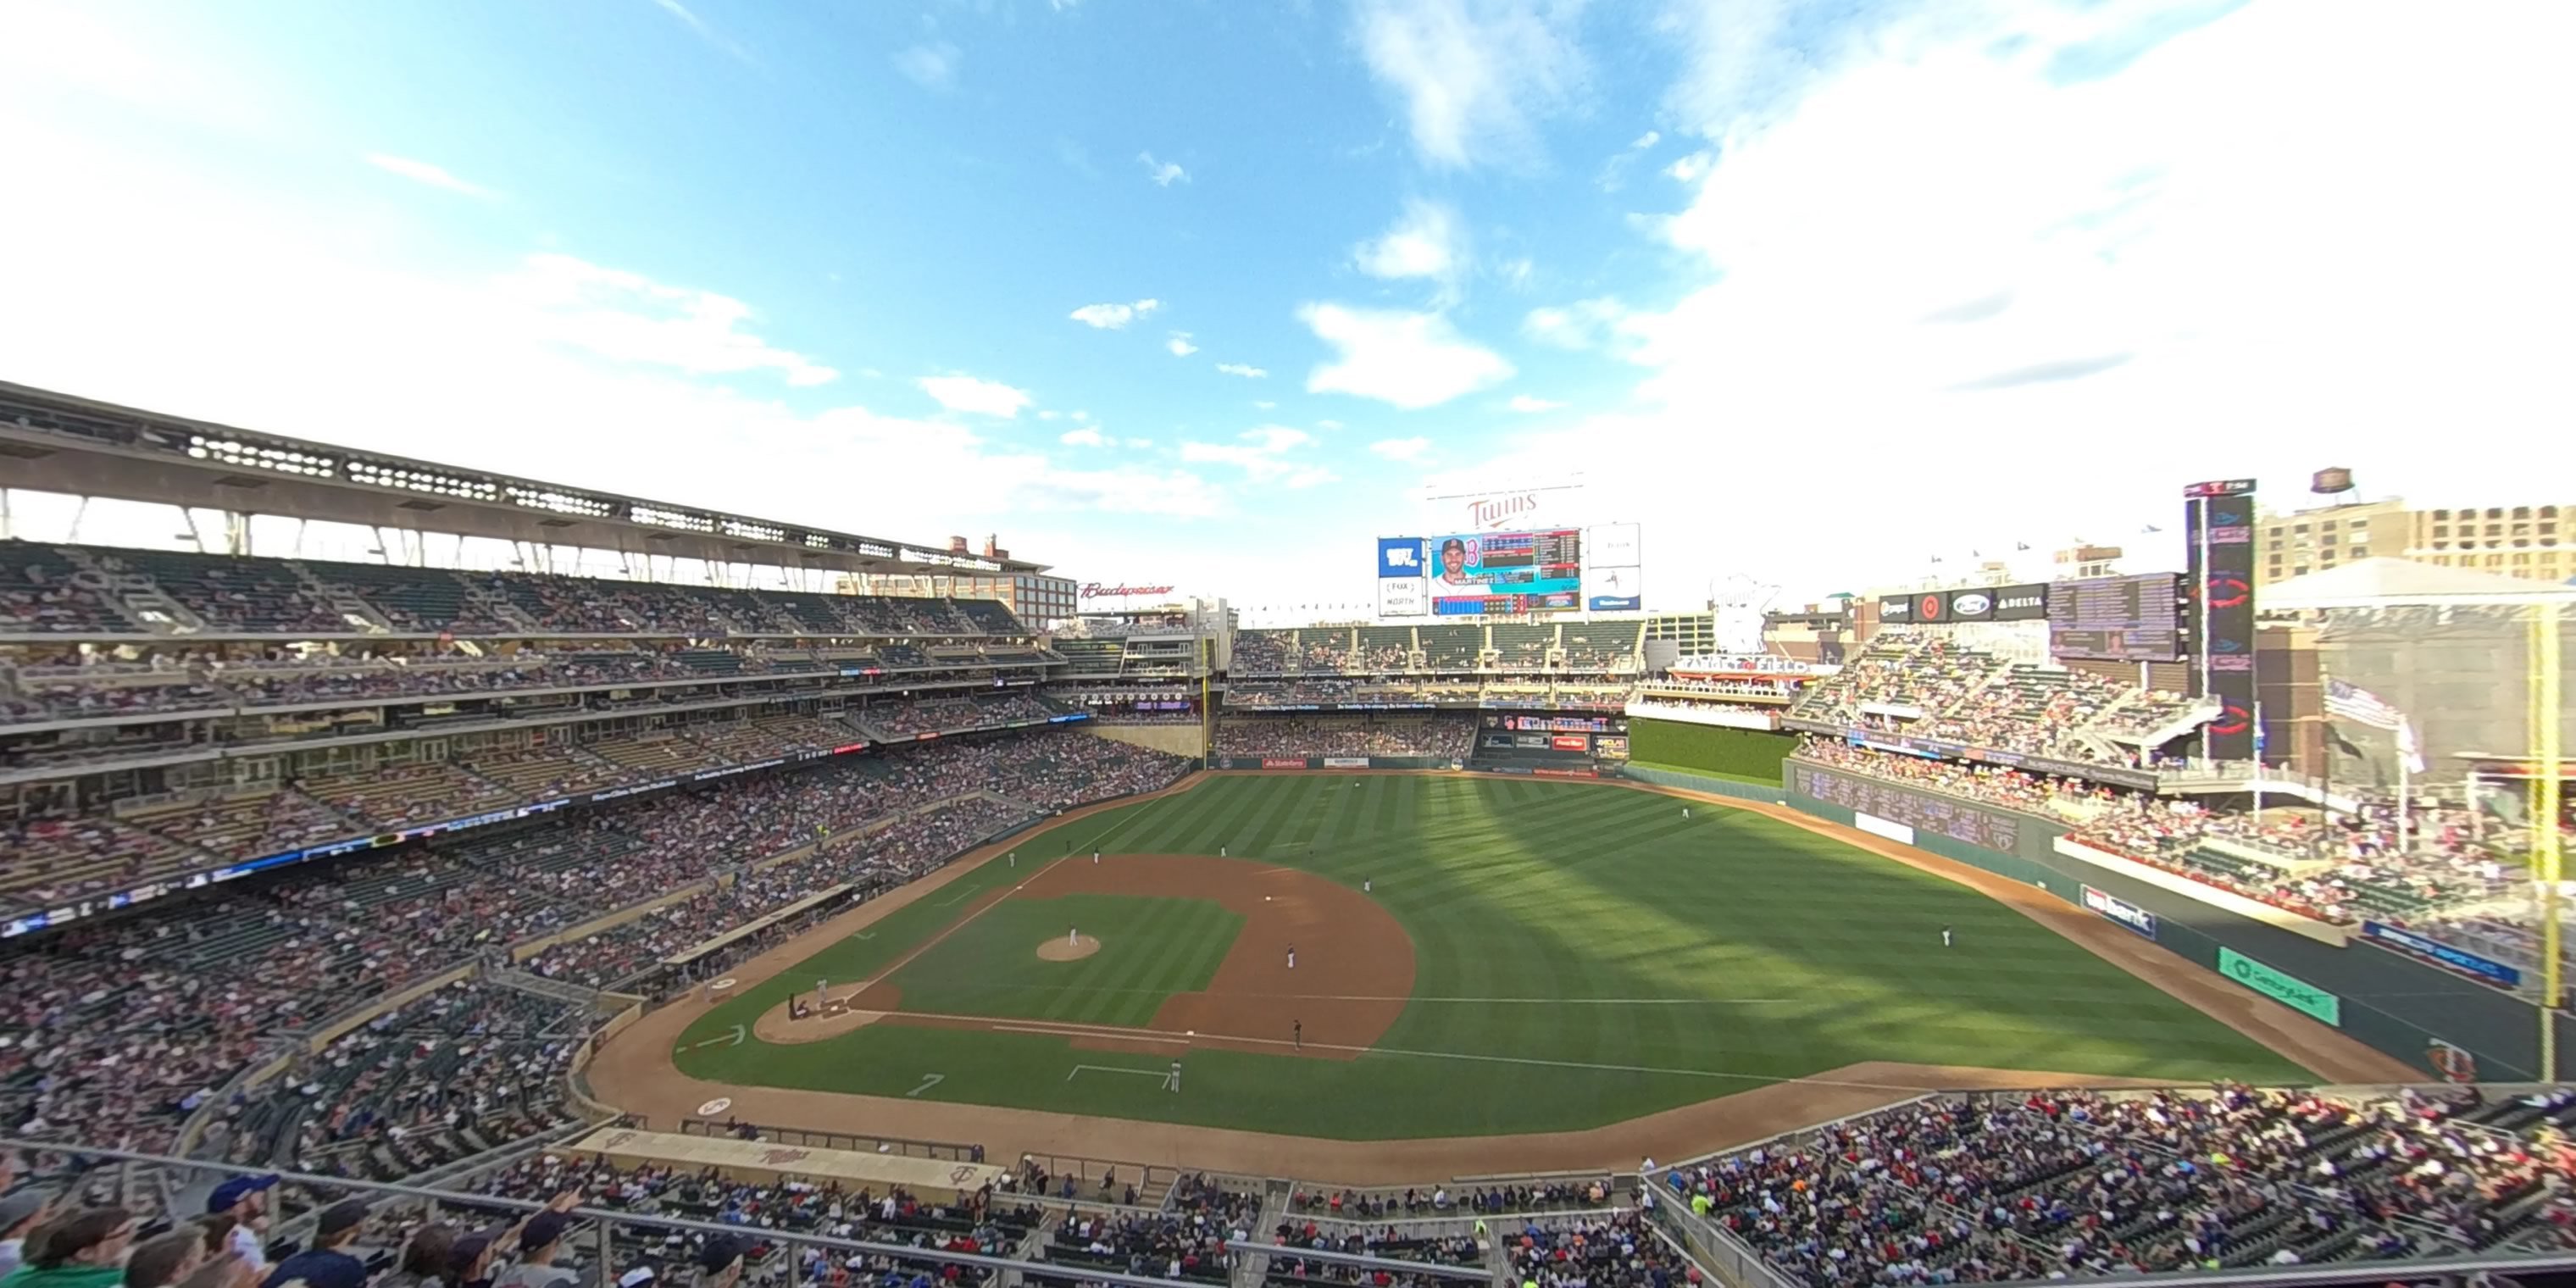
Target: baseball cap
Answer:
pixel 637 1276
pixel 235 1190
pixel 319 1268
pixel 18 1205
pixel 543 1228
pixel 343 1215
pixel 460 1259
pixel 722 1250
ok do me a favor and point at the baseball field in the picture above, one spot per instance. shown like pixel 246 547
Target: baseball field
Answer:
pixel 1472 957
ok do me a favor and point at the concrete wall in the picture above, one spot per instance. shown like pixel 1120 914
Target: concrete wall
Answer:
pixel 1175 740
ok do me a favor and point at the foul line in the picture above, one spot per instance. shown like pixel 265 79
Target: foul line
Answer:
pixel 1407 997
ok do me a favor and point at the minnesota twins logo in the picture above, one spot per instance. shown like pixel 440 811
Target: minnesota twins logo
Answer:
pixel 776 1156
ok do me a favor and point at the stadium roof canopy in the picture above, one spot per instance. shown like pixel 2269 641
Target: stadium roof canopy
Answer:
pixel 54 442
pixel 2403 583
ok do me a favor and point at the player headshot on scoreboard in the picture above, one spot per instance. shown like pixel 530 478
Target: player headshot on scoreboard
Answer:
pixel 1453 563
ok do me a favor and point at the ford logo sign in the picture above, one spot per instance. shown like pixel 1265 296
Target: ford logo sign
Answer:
pixel 1970 606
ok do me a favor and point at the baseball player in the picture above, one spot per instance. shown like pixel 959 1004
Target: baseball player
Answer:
pixel 1945 936
pixel 1172 1081
pixel 1292 956
pixel 1297 1033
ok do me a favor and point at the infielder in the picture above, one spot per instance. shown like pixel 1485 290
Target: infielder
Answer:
pixel 1172 1081
pixel 1297 1033
pixel 1292 956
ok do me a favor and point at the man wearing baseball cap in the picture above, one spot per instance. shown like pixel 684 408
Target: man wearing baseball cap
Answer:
pixel 327 1264
pixel 720 1261
pixel 245 1200
pixel 540 1241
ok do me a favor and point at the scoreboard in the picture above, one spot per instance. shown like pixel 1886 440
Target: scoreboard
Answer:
pixel 1481 573
pixel 2117 619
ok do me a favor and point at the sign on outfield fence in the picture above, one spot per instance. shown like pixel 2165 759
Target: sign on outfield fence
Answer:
pixel 1346 762
pixel 2289 990
pixel 2120 911
pixel 2441 954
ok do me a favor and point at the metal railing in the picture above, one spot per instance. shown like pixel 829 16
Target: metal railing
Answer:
pixel 898 1146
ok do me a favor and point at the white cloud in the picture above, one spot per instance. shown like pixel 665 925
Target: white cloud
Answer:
pixel 1529 406
pixel 698 27
pixel 1111 317
pixel 628 317
pixel 1402 449
pixel 1265 405
pixel 1412 360
pixel 1163 173
pixel 1516 273
pixel 980 397
pixel 1583 324
pixel 1646 140
pixel 1241 369
pixel 1082 438
pixel 1328 424
pixel 425 173
pixel 1180 345
pixel 1263 455
pixel 1081 415
pixel 1692 168
pixel 932 65
pixel 1474 75
pixel 1140 442
pixel 1427 241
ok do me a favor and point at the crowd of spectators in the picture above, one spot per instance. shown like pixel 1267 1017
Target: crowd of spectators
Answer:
pixel 119 1029
pixel 2334 868
pixel 2045 1184
pixel 1442 735
pixel 1613 1250
pixel 954 714
pixel 1927 684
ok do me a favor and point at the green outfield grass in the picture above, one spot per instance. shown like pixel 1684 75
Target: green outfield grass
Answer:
pixel 1149 950
pixel 1583 953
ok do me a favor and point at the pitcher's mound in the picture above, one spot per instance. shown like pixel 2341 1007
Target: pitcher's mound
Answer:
pixel 1071 949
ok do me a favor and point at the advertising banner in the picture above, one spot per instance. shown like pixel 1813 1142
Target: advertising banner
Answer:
pixel 1400 557
pixel 1570 742
pixel 2116 775
pixel 1613 590
pixel 1346 762
pixel 2025 603
pixel 1403 597
pixel 2289 990
pixel 1876 826
pixel 1545 772
pixel 1975 604
pixel 2218 530
pixel 1932 606
pixel 2441 954
pixel 1280 762
pixel 1940 815
pixel 1895 610
pixel 2121 912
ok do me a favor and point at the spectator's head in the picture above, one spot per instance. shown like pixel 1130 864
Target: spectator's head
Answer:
pixel 89 1237
pixel 340 1223
pixel 470 1261
pixel 540 1237
pixel 720 1261
pixel 217 1231
pixel 165 1259
pixel 222 1270
pixel 243 1198
pixel 22 1212
pixel 429 1254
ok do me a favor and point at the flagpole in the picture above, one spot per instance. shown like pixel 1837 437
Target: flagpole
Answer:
pixel 2405 781
pixel 2258 764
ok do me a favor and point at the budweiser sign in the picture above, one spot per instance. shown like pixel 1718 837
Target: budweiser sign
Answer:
pixel 1094 590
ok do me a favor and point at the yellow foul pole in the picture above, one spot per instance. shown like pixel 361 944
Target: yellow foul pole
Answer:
pixel 2545 848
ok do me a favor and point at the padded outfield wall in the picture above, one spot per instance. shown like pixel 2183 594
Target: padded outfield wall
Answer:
pixel 1743 753
pixel 2395 1004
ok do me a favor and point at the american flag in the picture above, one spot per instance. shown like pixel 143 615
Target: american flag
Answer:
pixel 2362 706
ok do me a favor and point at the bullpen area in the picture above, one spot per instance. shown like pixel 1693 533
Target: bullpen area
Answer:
pixel 1506 972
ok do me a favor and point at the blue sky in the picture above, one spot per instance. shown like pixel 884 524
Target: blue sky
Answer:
pixel 1203 293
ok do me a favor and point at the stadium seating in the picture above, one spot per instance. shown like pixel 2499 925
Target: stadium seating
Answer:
pixel 1375 648
pixel 251 595
pixel 1451 648
pixel 247 825
pixel 41 591
pixel 1519 647
pixel 1445 736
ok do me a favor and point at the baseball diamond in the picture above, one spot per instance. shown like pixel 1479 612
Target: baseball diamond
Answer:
pixel 1532 959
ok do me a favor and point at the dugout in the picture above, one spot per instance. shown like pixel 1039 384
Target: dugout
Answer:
pixel 2400 1006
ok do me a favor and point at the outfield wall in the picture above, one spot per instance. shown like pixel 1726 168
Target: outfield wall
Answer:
pixel 2395 1004
pixel 1333 762
pixel 1700 783
pixel 1745 753
pixel 1182 740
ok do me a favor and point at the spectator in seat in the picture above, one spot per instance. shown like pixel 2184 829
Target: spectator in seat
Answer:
pixel 326 1264
pixel 245 1200
pixel 85 1249
pixel 720 1261
pixel 165 1259
pixel 425 1259
pixel 540 1242
pixel 20 1214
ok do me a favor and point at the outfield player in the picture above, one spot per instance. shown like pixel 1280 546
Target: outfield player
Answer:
pixel 1173 1082
pixel 1945 936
